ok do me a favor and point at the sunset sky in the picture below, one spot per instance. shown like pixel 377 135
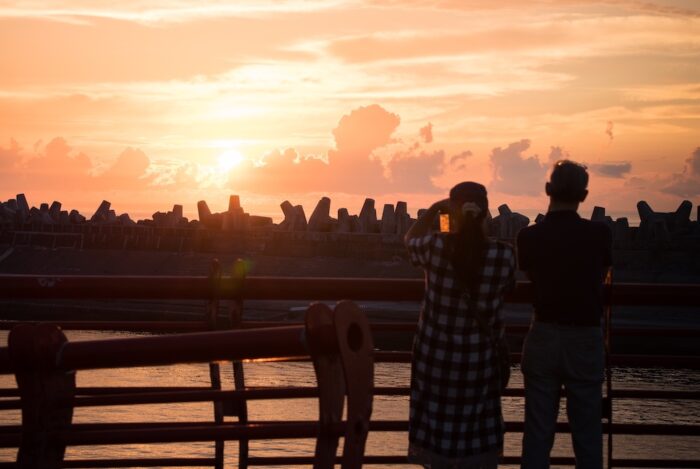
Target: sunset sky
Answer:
pixel 151 103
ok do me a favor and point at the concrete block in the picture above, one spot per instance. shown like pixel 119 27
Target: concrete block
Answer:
pixel 320 217
pixel 234 203
pixel 177 212
pixel 23 205
pixel 368 217
pixel 102 213
pixel 388 225
pixel 55 210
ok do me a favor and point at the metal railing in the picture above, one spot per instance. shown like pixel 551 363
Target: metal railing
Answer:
pixel 216 288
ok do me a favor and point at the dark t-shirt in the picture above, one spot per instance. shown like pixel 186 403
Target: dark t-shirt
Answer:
pixel 566 258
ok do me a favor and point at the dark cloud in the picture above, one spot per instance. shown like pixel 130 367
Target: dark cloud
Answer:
pixel 609 130
pixel 687 182
pixel 611 170
pixel 457 161
pixel 426 133
pixel 516 174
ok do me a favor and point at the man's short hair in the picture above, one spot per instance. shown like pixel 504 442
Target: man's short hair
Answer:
pixel 568 181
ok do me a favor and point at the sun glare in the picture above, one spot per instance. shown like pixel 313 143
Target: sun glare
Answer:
pixel 229 159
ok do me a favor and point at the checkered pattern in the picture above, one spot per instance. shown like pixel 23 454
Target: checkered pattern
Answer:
pixel 455 408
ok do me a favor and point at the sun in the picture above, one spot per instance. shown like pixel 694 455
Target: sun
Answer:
pixel 229 159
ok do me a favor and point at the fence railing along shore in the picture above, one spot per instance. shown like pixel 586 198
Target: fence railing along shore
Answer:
pixel 236 290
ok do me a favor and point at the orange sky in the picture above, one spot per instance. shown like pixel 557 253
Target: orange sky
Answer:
pixel 398 100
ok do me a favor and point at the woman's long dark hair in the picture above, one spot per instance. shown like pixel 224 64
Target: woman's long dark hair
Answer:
pixel 468 244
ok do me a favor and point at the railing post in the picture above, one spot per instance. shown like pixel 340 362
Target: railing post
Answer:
pixel 238 408
pixel 46 393
pixel 356 355
pixel 214 368
pixel 330 380
pixel 608 403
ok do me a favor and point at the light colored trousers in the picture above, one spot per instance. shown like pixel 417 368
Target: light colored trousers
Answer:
pixel 555 356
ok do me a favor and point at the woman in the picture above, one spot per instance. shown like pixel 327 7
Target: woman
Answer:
pixel 455 412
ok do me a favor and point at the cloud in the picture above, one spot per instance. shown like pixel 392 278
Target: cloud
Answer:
pixel 612 170
pixel 558 153
pixel 129 171
pixel 367 159
pixel 515 174
pixel 414 172
pixel 350 167
pixel 58 167
pixel 426 133
pixel 609 130
pixel 79 12
pixel 457 161
pixel 363 130
pixel 357 136
pixel 378 47
pixel 281 171
pixel 10 156
pixel 686 183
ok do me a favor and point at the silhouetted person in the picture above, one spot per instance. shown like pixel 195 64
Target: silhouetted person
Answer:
pixel 566 258
pixel 455 407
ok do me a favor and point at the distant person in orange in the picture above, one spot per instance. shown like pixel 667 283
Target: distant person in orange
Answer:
pixel 566 258
pixel 455 404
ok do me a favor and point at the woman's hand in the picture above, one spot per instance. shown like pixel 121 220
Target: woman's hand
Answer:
pixel 424 223
pixel 441 206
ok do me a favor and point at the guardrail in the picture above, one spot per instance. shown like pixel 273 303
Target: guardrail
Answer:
pixel 44 363
pixel 216 288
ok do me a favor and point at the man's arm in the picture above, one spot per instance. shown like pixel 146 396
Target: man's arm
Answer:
pixel 424 224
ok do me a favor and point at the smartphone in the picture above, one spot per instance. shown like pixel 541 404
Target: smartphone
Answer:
pixel 444 222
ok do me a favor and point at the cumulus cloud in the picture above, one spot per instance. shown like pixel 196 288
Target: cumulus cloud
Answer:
pixel 410 172
pixel 558 153
pixel 612 170
pixel 353 166
pixel 516 174
pixel 10 156
pixel 129 171
pixel 687 182
pixel 58 167
pixel 281 171
pixel 426 133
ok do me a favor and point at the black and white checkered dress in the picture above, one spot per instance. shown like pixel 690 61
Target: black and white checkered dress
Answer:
pixel 455 410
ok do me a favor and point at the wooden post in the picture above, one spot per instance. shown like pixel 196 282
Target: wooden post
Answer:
pixel 329 377
pixel 356 355
pixel 214 368
pixel 46 393
pixel 239 408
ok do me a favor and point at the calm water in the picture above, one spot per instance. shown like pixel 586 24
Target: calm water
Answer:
pixel 301 374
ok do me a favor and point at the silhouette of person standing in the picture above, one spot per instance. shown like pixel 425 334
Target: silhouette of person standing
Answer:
pixel 455 406
pixel 566 258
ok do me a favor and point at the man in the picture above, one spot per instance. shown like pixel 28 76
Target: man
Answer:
pixel 565 257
